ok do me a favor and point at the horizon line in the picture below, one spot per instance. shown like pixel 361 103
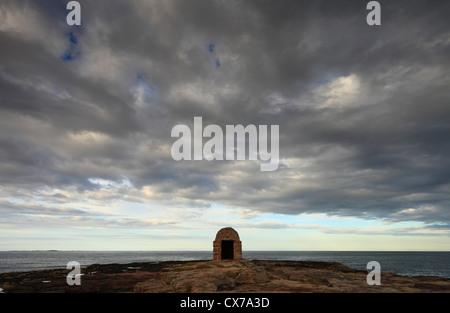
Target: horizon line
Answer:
pixel 90 250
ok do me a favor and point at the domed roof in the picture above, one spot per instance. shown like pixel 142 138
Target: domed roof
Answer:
pixel 227 233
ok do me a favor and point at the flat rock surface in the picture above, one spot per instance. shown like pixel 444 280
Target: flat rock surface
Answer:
pixel 219 276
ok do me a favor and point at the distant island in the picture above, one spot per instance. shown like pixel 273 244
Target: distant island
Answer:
pixel 219 276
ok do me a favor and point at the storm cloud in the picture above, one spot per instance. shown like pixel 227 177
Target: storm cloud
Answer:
pixel 364 111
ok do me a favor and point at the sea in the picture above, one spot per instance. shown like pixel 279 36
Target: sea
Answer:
pixel 402 263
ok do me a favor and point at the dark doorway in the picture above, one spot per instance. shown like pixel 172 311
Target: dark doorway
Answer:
pixel 227 250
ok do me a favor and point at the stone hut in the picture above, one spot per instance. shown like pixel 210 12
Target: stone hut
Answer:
pixel 227 245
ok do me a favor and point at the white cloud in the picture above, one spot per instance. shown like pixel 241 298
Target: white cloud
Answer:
pixel 338 93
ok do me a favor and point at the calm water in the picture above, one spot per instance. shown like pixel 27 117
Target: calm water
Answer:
pixel 403 263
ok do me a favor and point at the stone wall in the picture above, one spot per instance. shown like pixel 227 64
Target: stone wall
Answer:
pixel 227 233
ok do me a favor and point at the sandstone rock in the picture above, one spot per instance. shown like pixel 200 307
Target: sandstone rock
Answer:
pixel 253 275
pixel 220 276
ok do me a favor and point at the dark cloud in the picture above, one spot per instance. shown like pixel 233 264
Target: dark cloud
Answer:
pixel 363 111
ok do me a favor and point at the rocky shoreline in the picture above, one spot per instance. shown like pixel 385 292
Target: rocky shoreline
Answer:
pixel 219 276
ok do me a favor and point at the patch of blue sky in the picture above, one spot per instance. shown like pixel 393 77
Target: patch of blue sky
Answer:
pixel 273 221
pixel 72 52
pixel 335 221
pixel 354 222
pixel 139 206
pixel 147 89
pixel 326 78
pixel 15 200
pixel 322 81
pixel 105 183
pixel 315 219
pixel 211 48
pixel 69 56
pixel 144 89
pixel 72 38
pixel 141 77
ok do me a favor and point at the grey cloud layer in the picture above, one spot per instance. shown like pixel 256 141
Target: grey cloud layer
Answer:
pixel 363 111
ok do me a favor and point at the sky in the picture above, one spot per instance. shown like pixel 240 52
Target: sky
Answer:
pixel 86 114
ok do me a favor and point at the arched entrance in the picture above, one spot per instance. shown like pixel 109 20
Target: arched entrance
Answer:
pixel 227 247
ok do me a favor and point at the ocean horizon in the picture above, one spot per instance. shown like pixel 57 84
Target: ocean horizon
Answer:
pixel 407 263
